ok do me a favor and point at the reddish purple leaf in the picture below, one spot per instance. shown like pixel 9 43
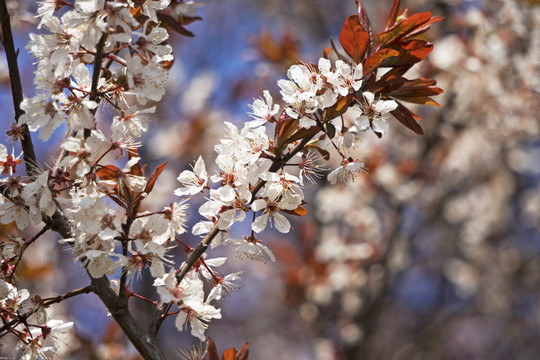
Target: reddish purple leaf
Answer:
pixel 243 352
pixel 392 17
pixel 299 211
pixel 229 354
pixel 363 17
pixel 425 27
pixel 339 108
pixel 407 118
pixel 212 350
pixel 375 59
pixel 422 100
pixel 354 38
pixel 108 172
pixel 404 27
pixel 286 126
pixel 150 184
pixel 303 133
pixel 339 55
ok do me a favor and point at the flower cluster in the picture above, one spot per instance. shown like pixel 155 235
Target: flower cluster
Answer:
pixel 114 55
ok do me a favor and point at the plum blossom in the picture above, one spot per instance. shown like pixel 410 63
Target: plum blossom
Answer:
pixel 270 208
pixel 14 211
pixel 252 248
pixel 43 341
pixel 82 152
pixel 132 122
pixel 193 181
pixel 262 110
pixel 347 171
pixel 345 78
pixel 177 216
pixel 223 285
pixel 11 297
pixel 374 113
pixel 189 295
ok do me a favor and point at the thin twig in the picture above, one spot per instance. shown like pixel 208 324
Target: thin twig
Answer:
pixel 25 245
pixel 54 300
pixel 46 303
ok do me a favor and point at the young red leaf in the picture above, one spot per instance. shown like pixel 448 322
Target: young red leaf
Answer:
pixel 423 100
pixel 229 354
pixel 363 17
pixel 154 177
pixel 407 118
pixel 417 49
pixel 404 27
pixel 416 91
pixel 425 27
pixel 243 353
pixel 299 211
pixel 135 169
pixel 408 53
pixel 212 350
pixel 375 59
pixel 354 38
pixel 421 82
pixel 326 53
pixel 303 133
pixel 286 126
pixel 396 72
pixel 415 88
pixel 339 108
pixel 392 17
pixel 108 172
pixel 386 86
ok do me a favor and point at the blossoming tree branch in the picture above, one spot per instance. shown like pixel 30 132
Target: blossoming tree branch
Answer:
pixel 114 55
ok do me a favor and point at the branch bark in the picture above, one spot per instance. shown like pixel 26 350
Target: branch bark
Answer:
pixel 16 88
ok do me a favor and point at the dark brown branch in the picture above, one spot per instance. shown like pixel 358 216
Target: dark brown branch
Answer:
pixel 54 300
pixel 98 58
pixel 16 89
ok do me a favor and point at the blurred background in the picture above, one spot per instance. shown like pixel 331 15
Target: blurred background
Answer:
pixel 433 254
